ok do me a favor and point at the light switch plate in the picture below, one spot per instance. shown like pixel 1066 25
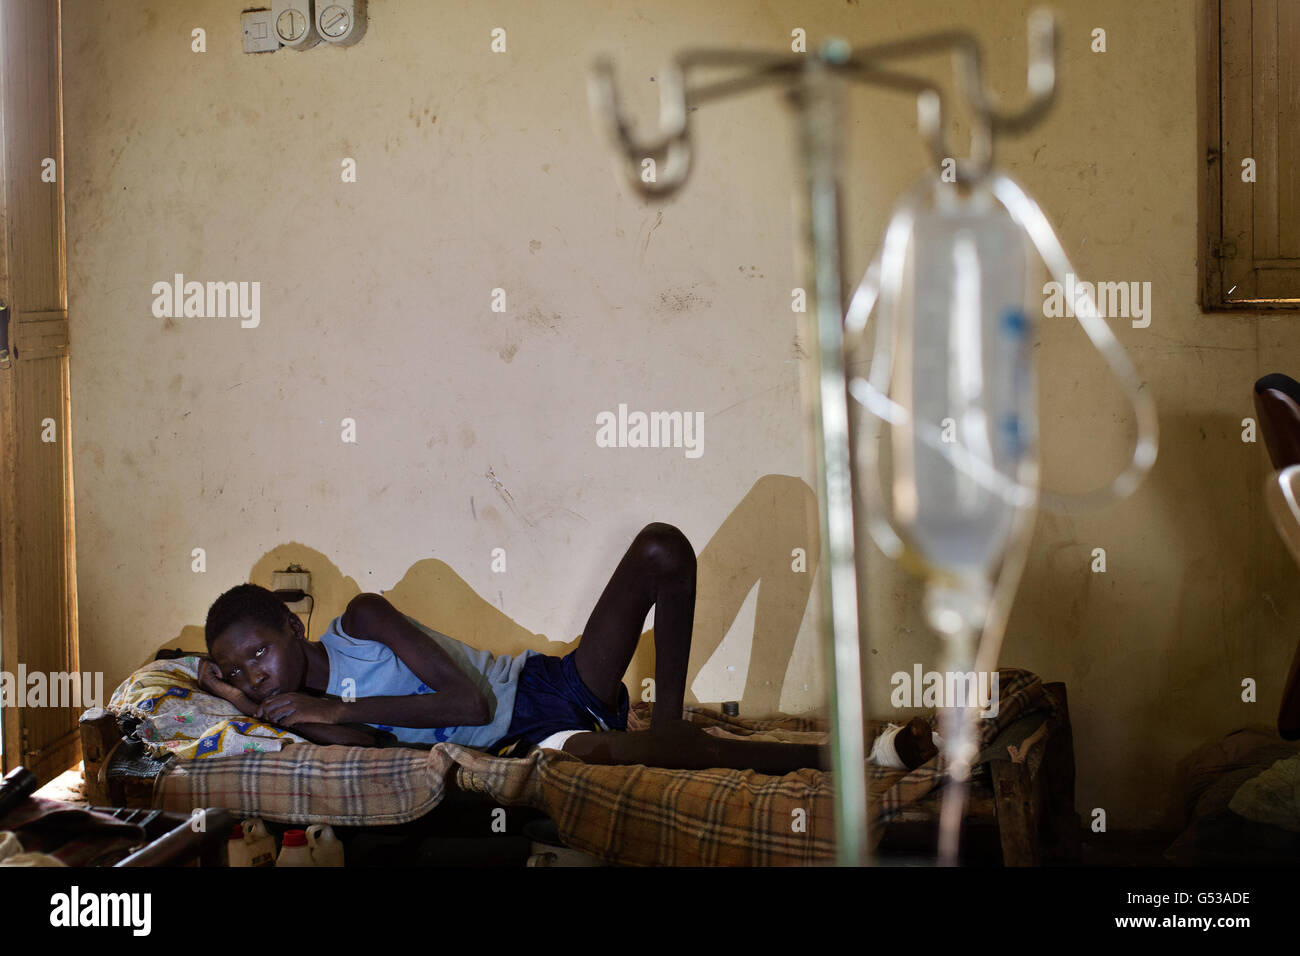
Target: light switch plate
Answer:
pixel 259 34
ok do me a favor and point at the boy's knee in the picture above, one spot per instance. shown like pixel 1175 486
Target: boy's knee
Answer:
pixel 666 546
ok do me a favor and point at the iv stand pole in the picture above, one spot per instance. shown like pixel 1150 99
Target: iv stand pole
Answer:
pixel 820 103
pixel 818 95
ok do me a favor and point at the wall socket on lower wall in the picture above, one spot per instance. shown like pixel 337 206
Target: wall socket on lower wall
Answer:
pixel 293 580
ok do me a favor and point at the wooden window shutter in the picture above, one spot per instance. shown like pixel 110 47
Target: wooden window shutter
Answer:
pixel 1250 103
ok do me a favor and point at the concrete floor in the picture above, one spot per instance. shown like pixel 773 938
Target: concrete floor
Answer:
pixel 69 787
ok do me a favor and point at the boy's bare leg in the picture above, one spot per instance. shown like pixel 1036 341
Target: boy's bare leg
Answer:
pixel 681 745
pixel 658 570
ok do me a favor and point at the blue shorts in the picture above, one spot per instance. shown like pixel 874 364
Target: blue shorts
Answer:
pixel 552 697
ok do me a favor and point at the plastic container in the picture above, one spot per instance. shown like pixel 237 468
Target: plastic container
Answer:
pixel 326 850
pixel 259 843
pixel 237 848
pixel 294 850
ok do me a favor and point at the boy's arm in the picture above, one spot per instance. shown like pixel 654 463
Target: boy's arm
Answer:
pixel 210 681
pixel 336 734
pixel 458 702
pixel 411 710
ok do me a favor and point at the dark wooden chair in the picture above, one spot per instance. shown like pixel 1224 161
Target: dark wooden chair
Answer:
pixel 1277 403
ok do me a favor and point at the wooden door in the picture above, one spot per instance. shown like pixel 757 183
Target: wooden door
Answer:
pixel 38 611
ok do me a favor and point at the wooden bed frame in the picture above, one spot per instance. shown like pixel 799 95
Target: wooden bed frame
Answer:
pixel 1027 796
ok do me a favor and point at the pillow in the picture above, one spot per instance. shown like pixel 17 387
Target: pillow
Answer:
pixel 1272 797
pixel 178 718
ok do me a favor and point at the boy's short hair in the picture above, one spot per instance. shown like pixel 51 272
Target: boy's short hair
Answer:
pixel 244 602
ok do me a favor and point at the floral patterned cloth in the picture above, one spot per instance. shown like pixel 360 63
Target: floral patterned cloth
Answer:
pixel 178 718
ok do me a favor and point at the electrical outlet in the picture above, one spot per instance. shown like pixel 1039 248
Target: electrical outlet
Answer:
pixel 341 22
pixel 259 36
pixel 290 580
pixel 294 24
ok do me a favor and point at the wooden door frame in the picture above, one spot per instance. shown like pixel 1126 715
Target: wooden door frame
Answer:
pixel 38 618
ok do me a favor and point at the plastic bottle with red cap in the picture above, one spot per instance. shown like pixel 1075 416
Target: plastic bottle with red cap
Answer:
pixel 294 850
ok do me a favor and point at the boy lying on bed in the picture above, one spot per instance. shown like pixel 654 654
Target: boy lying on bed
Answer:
pixel 375 666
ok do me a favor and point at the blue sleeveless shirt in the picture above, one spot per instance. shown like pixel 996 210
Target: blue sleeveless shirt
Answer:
pixel 374 670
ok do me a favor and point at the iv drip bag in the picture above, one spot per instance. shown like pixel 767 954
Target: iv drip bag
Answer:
pixel 964 370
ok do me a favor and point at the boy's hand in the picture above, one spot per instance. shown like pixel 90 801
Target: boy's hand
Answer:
pixel 291 709
pixel 211 682
pixel 210 679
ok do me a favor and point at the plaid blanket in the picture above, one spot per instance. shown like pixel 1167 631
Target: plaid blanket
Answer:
pixel 623 814
pixel 308 783
pixel 648 816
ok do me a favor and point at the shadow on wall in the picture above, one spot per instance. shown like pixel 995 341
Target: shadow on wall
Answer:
pixel 756 544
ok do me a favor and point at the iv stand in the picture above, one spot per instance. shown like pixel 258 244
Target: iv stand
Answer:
pixel 817 94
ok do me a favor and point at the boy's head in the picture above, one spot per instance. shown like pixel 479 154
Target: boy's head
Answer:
pixel 257 642
pixel 905 747
pixel 915 743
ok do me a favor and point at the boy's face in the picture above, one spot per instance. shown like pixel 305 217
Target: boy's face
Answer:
pixel 261 661
pixel 914 744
